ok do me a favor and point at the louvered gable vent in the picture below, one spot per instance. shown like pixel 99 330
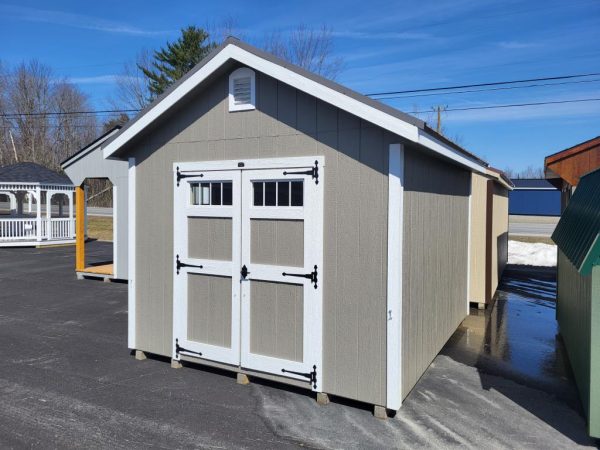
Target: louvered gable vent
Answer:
pixel 242 90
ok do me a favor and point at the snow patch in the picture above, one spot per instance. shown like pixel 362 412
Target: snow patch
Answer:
pixel 531 254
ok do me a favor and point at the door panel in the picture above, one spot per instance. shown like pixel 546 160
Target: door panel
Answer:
pixel 210 238
pixel 277 242
pixel 209 309
pixel 276 320
pixel 281 245
pixel 206 267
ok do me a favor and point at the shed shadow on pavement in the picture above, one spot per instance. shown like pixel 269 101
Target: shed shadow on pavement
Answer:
pixel 517 341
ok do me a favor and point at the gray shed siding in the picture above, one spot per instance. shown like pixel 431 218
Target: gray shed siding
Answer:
pixel 93 165
pixel 435 259
pixel 286 122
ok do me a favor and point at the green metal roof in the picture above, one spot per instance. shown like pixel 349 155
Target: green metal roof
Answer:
pixel 578 231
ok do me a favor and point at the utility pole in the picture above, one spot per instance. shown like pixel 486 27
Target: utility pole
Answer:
pixel 13 145
pixel 439 109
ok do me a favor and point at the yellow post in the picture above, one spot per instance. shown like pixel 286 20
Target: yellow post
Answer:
pixel 79 228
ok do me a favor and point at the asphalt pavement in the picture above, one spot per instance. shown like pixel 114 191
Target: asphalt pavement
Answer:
pixel 67 379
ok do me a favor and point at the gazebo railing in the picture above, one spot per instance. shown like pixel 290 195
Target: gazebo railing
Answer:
pixel 25 229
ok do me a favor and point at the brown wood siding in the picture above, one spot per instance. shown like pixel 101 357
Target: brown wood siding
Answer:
pixel 571 164
pixel 435 256
pixel 286 123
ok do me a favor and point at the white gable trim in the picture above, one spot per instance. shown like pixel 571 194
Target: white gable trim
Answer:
pixel 300 82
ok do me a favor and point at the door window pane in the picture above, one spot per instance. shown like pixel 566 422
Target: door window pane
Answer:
pixel 283 193
pixel 270 195
pixel 216 193
pixel 258 193
pixel 227 194
pixel 195 193
pixel 205 193
pixel 297 193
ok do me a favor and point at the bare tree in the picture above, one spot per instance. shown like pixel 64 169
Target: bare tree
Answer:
pixel 312 49
pixel 132 87
pixel 41 119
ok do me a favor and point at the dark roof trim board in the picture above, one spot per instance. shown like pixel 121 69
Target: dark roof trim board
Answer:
pixel 577 233
pixel 533 184
pixel 32 173
pixel 88 148
pixel 382 115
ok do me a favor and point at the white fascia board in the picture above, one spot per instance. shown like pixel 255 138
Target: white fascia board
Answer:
pixel 300 82
pixel 426 140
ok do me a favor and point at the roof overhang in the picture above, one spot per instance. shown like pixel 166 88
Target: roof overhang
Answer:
pixel 383 116
pixel 80 154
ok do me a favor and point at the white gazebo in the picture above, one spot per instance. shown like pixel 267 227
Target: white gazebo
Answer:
pixel 45 220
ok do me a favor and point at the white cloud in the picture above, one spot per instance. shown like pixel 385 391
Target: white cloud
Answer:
pixel 517 45
pixel 99 79
pixel 75 21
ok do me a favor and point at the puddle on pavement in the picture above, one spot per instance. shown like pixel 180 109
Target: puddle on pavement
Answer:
pixel 518 336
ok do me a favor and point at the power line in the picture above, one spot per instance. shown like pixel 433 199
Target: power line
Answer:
pixel 67 113
pixel 495 83
pixel 488 89
pixel 514 105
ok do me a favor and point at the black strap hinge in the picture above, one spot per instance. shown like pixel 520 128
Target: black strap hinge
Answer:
pixel 186 175
pixel 312 376
pixel 313 172
pixel 179 349
pixel 179 265
pixel 313 276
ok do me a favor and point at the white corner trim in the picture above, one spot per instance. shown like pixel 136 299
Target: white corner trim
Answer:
pixel 394 276
pixel 242 72
pixel 115 224
pixel 302 83
pixel 131 299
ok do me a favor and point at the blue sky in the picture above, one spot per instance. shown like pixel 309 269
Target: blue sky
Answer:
pixel 387 46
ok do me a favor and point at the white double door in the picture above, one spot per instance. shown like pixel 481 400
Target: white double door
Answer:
pixel 248 267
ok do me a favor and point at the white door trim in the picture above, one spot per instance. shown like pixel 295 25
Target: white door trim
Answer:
pixel 131 310
pixel 394 276
pixel 247 164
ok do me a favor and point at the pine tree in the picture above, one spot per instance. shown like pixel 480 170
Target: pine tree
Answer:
pixel 176 59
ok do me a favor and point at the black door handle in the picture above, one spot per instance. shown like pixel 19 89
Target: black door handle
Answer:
pixel 244 272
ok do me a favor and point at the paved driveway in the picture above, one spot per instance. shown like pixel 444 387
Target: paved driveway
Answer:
pixel 67 379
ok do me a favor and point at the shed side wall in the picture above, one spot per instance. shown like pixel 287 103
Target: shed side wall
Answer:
pixel 499 238
pixel 435 256
pixel 286 123
pixel 478 238
pixel 573 311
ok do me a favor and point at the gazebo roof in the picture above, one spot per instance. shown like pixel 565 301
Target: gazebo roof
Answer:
pixel 29 172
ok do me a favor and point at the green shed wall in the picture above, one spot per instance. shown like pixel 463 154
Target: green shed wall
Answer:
pixel 578 314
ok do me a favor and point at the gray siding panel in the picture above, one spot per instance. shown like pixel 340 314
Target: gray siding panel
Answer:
pixel 277 242
pixel 209 309
pixel 276 320
pixel 209 238
pixel 434 293
pixel 355 217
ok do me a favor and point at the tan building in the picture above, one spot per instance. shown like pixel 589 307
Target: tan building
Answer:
pixel 489 234
pixel 285 227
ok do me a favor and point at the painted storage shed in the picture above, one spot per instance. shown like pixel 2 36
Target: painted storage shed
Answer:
pixel 577 236
pixel 534 197
pixel 89 163
pixel 489 234
pixel 563 169
pixel 285 227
